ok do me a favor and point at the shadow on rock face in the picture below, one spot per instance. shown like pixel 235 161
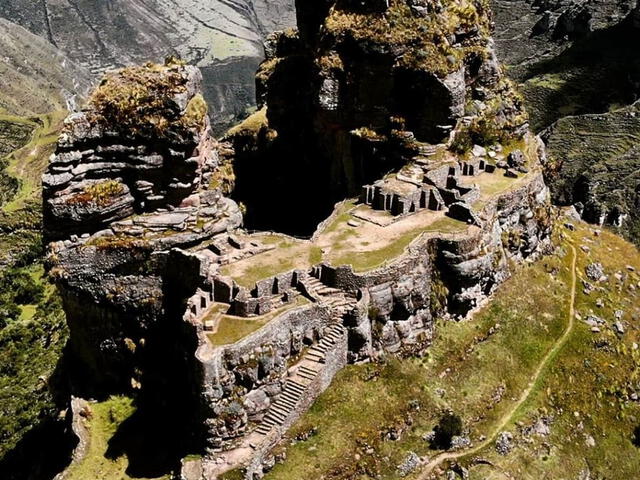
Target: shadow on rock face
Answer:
pixel 153 441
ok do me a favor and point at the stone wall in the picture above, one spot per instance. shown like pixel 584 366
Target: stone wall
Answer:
pixel 238 382
pixel 335 361
pixel 394 313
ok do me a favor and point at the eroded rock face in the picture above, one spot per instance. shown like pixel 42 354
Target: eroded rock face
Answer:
pixel 581 171
pixel 580 69
pixel 135 174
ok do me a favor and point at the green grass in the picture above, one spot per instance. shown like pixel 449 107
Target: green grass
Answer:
pixel 471 361
pixel 342 216
pixel 29 162
pixel 105 419
pixel 232 329
pixel 594 382
pixel 288 255
pixel 364 261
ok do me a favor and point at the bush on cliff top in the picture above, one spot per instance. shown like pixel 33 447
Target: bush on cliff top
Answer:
pixel 102 193
pixel 141 99
pixel 423 41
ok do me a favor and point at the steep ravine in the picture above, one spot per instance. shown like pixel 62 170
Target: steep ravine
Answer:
pixel 579 69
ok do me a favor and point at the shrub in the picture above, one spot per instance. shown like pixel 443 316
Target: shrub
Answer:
pixel 20 288
pixel 636 437
pixel 449 426
pixel 101 193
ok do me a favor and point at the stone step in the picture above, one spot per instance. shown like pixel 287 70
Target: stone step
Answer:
pixel 327 290
pixel 275 422
pixel 263 430
pixel 268 422
pixel 288 403
pixel 297 386
pixel 291 394
pixel 308 376
pixel 280 410
pixel 308 369
pixel 317 359
pixel 275 413
pixel 276 417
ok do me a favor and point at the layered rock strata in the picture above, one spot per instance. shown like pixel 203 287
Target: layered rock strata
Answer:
pixel 358 91
pixel 126 185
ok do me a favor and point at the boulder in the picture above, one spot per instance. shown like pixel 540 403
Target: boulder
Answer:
pixel 504 443
pixel 595 271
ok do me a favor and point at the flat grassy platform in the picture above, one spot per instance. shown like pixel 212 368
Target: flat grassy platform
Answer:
pixel 231 329
pixel 366 246
pixel 106 417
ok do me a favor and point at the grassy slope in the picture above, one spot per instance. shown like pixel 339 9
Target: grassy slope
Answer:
pixel 31 344
pixel 29 352
pixel 481 371
pixel 29 162
pixel 100 463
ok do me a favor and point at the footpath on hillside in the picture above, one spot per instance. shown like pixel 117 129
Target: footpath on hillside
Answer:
pixel 507 417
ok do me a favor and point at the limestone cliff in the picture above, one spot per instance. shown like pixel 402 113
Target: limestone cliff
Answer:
pixel 223 38
pixel 403 104
pixel 580 72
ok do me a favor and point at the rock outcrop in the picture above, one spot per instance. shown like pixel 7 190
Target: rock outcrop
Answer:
pixel 580 70
pixel 223 38
pixel 136 174
pixel 141 228
pixel 361 89
pixel 600 173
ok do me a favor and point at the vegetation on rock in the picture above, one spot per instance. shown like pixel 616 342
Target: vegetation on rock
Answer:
pixel 140 99
pixel 101 193
pixel 437 41
pixel 449 426
pixel 375 414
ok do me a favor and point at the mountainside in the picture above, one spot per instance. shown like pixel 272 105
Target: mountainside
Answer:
pixel 223 38
pixel 545 384
pixel 364 279
pixel 173 307
pixel 579 65
pixel 35 77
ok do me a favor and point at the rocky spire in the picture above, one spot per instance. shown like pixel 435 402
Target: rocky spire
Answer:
pixel 136 176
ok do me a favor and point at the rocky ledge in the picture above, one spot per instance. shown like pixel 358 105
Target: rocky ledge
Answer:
pixel 135 174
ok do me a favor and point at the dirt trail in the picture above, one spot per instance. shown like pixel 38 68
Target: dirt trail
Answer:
pixel 506 418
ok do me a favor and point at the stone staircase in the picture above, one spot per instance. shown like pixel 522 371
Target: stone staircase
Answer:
pixel 318 351
pixel 316 288
pixel 295 388
pixel 339 301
